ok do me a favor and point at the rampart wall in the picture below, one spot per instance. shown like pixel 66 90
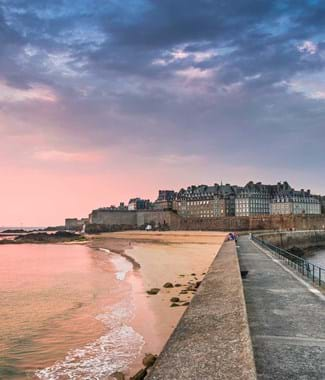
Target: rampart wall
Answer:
pixel 175 222
pixel 253 223
pixel 212 339
pixel 169 218
pixel 113 217
pixel 304 240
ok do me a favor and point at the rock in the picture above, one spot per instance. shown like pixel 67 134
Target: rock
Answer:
pixel 177 285
pixel 193 274
pixel 168 285
pixel 185 304
pixel 174 304
pixel 149 360
pixel 183 292
pixel 174 299
pixel 118 376
pixel 191 288
pixel 198 283
pixel 153 291
pixel 139 375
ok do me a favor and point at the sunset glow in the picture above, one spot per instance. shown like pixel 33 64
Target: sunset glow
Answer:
pixel 100 102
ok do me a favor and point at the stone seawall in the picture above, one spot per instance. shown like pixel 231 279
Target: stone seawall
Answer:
pixel 212 339
pixel 304 240
pixel 113 217
pixel 168 218
pixel 176 222
pixel 253 223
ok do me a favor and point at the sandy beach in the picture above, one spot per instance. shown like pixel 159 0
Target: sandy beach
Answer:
pixel 181 258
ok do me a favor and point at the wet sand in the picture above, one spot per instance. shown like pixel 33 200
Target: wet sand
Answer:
pixel 160 257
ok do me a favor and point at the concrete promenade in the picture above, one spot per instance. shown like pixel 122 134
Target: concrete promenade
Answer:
pixel 211 341
pixel 286 319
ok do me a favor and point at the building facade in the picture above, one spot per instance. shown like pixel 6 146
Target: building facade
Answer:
pixel 165 200
pixel 295 202
pixel 139 204
pixel 254 199
pixel 206 201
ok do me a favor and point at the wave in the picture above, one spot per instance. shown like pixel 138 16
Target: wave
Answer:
pixel 122 265
pixel 114 351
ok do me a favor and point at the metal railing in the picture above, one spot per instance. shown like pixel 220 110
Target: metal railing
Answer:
pixel 313 272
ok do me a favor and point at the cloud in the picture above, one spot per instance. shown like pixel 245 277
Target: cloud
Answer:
pixel 308 47
pixel 38 93
pixel 229 81
pixel 61 156
pixel 192 73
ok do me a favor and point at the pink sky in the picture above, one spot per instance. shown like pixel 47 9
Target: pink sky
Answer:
pixel 51 171
pixel 142 96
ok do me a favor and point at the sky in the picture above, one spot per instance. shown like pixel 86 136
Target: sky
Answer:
pixel 103 100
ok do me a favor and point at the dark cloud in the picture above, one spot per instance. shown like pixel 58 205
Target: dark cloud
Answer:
pixel 189 76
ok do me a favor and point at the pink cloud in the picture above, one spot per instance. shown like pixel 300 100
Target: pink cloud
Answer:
pixel 62 156
pixel 35 93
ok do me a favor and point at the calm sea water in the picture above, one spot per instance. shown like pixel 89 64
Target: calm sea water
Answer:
pixel 64 313
pixel 318 258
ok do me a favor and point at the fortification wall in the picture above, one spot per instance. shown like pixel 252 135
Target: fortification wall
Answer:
pixel 175 222
pixel 135 218
pixel 113 217
pixel 253 223
pixel 212 339
pixel 169 218
pixel 299 239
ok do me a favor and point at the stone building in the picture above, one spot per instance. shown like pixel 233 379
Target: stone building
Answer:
pixel 254 199
pixel 120 207
pixel 281 199
pixel 295 202
pixel 139 204
pixel 165 200
pixel 206 201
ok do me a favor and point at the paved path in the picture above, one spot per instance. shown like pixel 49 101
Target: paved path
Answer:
pixel 286 320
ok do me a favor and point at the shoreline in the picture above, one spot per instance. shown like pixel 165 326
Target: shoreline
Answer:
pixel 181 259
pixel 136 266
pixel 154 259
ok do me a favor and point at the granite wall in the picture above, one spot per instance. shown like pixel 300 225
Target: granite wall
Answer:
pixel 175 222
pixel 253 223
pixel 212 339
pixel 110 217
pixel 304 240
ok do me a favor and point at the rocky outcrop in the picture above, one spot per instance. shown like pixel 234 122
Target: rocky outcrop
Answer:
pixel 43 237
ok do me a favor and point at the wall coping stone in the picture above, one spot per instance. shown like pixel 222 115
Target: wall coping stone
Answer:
pixel 212 339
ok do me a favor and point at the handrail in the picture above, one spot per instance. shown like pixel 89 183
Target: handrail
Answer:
pixel 312 271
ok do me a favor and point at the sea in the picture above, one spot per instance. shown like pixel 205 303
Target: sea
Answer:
pixel 65 313
pixel 318 258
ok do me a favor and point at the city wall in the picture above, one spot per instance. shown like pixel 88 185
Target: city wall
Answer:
pixel 113 217
pixel 253 223
pixel 175 222
pixel 304 240
pixel 212 339
pixel 168 218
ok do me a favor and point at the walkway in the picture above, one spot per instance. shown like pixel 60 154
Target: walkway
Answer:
pixel 286 320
